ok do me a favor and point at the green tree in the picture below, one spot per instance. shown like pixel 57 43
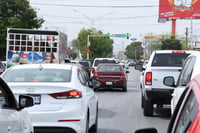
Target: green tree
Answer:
pixel 100 45
pixel 134 50
pixel 172 44
pixel 16 14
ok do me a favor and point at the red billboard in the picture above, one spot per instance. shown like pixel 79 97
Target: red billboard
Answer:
pixel 179 9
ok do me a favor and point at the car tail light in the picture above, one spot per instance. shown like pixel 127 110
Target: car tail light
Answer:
pixel 123 74
pixel 96 74
pixel 67 95
pixel 178 52
pixel 90 69
pixel 148 78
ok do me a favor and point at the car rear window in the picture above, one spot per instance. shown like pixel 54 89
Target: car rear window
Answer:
pixel 104 68
pixel 170 60
pixel 37 75
pixel 84 63
pixel 97 62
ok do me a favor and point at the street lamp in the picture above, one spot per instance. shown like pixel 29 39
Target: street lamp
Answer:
pixel 92 19
pixel 92 22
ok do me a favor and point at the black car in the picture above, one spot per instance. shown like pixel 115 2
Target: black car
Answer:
pixel 87 65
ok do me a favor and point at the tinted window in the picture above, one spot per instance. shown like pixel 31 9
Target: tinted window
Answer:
pixel 84 63
pixel 188 114
pixel 2 99
pixel 38 75
pixel 186 72
pixel 97 62
pixel 110 68
pixel 171 60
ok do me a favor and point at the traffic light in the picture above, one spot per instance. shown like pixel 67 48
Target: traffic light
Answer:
pixel 108 34
pixel 127 35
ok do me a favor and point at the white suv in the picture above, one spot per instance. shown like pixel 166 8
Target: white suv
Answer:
pixel 189 70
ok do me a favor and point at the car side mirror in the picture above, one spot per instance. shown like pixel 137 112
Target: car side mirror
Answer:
pixel 95 84
pixel 25 101
pixel 146 130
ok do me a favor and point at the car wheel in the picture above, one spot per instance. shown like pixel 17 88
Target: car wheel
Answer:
pixel 142 100
pixel 148 107
pixel 94 128
pixel 124 89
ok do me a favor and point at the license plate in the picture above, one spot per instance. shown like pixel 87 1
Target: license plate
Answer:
pixel 36 98
pixel 108 83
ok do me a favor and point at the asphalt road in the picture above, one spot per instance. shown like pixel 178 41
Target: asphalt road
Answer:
pixel 121 112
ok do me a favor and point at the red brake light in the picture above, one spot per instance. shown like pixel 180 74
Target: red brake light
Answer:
pixel 96 74
pixel 67 95
pixel 148 78
pixel 178 52
pixel 122 74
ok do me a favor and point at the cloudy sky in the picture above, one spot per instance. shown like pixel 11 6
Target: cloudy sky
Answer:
pixel 137 17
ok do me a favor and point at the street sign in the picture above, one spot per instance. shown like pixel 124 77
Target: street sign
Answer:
pixel 122 35
pixel 119 35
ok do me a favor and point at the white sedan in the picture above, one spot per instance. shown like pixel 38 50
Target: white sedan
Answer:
pixel 63 96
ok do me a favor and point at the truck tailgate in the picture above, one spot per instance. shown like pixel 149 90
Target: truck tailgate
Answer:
pixel 158 74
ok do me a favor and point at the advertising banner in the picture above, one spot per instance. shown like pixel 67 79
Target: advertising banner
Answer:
pixel 179 9
pixel 22 57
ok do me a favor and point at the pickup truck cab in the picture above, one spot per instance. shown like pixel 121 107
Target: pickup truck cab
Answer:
pixel 161 63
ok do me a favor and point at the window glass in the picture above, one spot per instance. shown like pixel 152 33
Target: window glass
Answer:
pixel 38 75
pixel 97 62
pixel 188 114
pixel 169 59
pixel 186 72
pixel 110 68
pixel 2 99
pixel 81 77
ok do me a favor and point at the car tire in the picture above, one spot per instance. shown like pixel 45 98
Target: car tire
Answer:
pixel 94 128
pixel 142 100
pixel 124 89
pixel 148 107
pixel 87 123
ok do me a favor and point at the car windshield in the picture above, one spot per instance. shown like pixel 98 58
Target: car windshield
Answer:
pixel 37 75
pixel 172 60
pixel 110 68
pixel 97 62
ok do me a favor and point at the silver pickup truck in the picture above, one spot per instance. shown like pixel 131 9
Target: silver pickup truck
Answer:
pixel 161 63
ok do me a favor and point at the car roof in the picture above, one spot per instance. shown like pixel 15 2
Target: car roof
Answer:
pixel 175 51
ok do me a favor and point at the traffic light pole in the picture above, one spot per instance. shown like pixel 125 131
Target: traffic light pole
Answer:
pixel 88 43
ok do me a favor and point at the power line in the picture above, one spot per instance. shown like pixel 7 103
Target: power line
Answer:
pixel 110 18
pixel 94 6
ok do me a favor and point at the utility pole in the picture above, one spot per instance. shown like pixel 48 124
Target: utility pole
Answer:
pixel 186 37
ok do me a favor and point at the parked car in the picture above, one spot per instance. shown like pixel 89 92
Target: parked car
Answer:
pixel 186 116
pixel 112 76
pixel 161 63
pixel 64 98
pixel 14 118
pixel 98 61
pixel 190 70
